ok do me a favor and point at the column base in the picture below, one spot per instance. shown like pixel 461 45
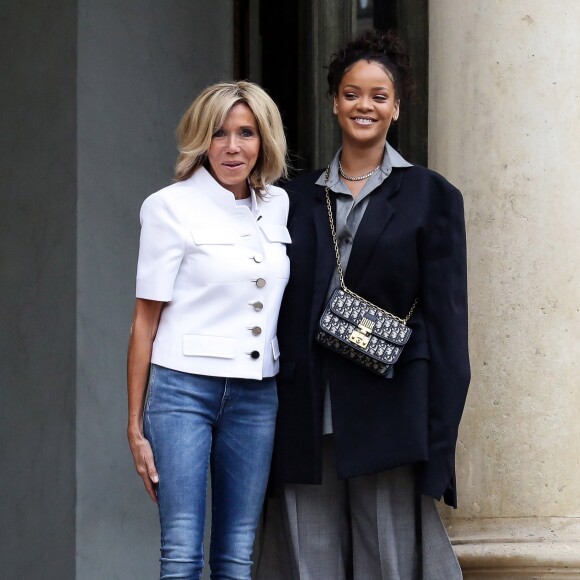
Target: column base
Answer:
pixel 512 548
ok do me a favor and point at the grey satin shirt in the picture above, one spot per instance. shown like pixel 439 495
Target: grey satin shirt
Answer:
pixel 349 213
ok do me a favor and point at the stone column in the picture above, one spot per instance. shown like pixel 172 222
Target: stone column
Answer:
pixel 505 128
pixel 139 67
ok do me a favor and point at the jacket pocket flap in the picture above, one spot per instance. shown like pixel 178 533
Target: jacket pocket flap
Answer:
pixel 276 233
pixel 275 348
pixel 214 346
pixel 214 236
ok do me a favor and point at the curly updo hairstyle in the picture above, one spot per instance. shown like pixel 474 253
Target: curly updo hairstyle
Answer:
pixel 384 48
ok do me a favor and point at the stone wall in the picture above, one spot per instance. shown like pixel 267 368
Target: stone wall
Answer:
pixel 504 127
pixel 91 94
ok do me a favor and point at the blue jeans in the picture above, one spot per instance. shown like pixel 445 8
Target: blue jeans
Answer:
pixel 192 421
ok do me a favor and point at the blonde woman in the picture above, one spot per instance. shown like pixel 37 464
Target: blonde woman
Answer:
pixel 203 350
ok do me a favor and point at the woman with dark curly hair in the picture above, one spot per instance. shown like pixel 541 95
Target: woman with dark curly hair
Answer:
pixel 359 457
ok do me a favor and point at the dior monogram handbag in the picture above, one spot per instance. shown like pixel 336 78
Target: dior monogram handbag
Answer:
pixel 357 329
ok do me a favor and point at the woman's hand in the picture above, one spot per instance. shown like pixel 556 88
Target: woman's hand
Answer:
pixel 144 462
pixel 143 331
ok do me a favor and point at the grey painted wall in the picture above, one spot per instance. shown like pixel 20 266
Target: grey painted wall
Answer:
pixel 91 92
pixel 141 63
pixel 38 288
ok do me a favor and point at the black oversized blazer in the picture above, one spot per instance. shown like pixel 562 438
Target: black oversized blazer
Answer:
pixel 410 244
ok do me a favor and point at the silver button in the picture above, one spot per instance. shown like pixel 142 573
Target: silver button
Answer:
pixel 260 282
pixel 256 331
pixel 255 354
pixel 258 258
pixel 257 306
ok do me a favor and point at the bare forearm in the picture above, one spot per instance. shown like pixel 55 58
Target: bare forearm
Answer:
pixel 138 360
pixel 143 331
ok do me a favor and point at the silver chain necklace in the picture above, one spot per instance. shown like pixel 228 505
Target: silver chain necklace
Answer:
pixel 358 177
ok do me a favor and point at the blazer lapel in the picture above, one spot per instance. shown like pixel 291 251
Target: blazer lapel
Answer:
pixel 325 257
pixel 377 215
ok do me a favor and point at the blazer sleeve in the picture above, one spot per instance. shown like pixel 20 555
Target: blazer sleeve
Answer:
pixel 161 250
pixel 444 302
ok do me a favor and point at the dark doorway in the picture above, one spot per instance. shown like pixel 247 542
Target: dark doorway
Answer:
pixel 411 20
pixel 292 58
pixel 282 46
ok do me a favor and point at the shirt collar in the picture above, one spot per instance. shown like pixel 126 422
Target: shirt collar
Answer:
pixel 203 180
pixel 391 158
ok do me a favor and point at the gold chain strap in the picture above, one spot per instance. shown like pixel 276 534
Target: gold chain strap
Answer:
pixel 337 252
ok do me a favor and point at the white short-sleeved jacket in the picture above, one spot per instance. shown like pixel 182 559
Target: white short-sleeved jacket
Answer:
pixel 222 269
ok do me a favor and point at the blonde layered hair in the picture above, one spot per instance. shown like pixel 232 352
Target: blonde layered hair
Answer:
pixel 208 113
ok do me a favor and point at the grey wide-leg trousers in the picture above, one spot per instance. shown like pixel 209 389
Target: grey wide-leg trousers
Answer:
pixel 363 528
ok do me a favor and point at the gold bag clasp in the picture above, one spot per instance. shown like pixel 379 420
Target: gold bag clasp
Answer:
pixel 361 335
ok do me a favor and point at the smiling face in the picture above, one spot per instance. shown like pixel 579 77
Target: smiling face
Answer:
pixel 234 150
pixel 366 104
